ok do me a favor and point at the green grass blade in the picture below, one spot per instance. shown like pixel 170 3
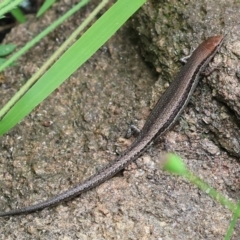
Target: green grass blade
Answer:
pixel 53 58
pixel 18 14
pixel 4 3
pixel 6 49
pixel 42 35
pixel 233 223
pixel 47 4
pixel 9 7
pixel 85 47
pixel 174 164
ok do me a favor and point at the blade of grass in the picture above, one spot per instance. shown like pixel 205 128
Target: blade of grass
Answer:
pixel 233 223
pixel 54 56
pixel 4 3
pixel 47 4
pixel 42 35
pixel 18 14
pixel 72 59
pixel 9 7
pixel 174 164
pixel 6 49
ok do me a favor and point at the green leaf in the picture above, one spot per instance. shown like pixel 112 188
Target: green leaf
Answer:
pixel 46 5
pixel 72 59
pixel 41 35
pixel 18 14
pixel 6 49
pixel 7 6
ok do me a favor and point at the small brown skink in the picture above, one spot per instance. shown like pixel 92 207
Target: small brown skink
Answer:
pixel 164 114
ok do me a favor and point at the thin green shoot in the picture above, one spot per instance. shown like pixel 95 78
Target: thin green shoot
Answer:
pixel 18 15
pixel 5 3
pixel 34 78
pixel 6 49
pixel 35 40
pixel 174 164
pixel 233 223
pixel 11 5
pixel 46 5
pixel 72 59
